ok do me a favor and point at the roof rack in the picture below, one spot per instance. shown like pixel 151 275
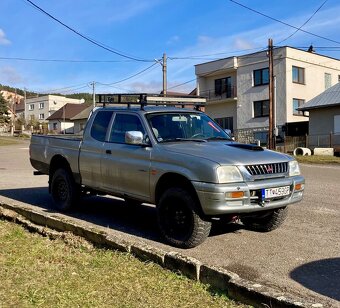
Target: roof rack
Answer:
pixel 144 99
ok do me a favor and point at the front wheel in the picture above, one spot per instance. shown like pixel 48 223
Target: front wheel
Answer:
pixel 179 220
pixel 267 221
pixel 64 190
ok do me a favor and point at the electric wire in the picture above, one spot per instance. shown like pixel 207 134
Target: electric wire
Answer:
pixel 284 23
pixel 63 60
pixel 297 30
pixel 88 38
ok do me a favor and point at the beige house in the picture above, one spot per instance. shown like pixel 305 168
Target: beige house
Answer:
pixel 238 96
pixel 40 108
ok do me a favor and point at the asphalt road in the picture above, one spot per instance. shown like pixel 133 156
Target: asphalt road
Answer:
pixel 301 257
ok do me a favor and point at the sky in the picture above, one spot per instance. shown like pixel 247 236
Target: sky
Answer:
pixel 126 39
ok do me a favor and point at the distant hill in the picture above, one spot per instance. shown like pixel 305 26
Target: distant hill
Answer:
pixel 86 96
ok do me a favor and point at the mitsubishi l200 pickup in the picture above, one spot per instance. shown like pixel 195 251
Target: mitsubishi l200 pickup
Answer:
pixel 176 158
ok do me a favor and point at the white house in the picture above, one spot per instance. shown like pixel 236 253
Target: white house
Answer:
pixel 237 90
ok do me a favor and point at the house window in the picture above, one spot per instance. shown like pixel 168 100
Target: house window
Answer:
pixel 298 75
pixel 31 107
pixel 261 77
pixel 41 116
pixel 55 126
pixel 225 123
pixel 223 85
pixel 41 105
pixel 261 108
pixel 328 80
pixel 296 104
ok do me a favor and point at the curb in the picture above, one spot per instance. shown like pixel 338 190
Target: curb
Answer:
pixel 217 278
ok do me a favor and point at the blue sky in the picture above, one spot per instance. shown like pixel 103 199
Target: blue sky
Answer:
pixel 144 30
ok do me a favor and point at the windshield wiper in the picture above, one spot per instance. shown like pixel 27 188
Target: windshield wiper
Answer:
pixel 219 138
pixel 183 139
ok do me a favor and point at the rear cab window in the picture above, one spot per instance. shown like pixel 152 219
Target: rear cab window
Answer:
pixel 100 125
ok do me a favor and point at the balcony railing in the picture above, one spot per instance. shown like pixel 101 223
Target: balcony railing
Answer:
pixel 212 95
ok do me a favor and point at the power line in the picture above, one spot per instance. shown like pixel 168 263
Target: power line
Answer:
pixel 284 23
pixel 127 78
pixel 63 60
pixel 297 30
pixel 181 84
pixel 88 38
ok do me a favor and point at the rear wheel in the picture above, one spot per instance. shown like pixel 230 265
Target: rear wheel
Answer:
pixel 266 221
pixel 64 190
pixel 179 221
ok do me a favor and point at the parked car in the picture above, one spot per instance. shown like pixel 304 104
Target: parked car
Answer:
pixel 178 159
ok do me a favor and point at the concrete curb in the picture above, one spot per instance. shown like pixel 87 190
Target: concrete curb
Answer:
pixel 218 278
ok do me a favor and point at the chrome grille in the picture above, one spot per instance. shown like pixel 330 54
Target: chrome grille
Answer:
pixel 263 169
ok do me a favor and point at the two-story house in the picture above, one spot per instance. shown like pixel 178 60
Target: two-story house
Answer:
pixel 237 90
pixel 40 108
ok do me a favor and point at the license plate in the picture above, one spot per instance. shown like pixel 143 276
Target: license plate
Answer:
pixel 275 192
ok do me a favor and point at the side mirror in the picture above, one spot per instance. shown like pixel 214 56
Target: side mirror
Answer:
pixel 134 137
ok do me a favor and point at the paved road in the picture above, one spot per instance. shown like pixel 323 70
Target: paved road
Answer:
pixel 301 257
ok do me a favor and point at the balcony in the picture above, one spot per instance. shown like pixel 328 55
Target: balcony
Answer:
pixel 212 95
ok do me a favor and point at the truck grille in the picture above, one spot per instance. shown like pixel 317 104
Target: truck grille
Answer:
pixel 267 168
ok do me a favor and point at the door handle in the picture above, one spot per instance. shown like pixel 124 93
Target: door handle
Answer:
pixel 108 152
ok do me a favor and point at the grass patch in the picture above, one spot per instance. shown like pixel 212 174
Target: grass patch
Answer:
pixel 35 271
pixel 318 159
pixel 12 140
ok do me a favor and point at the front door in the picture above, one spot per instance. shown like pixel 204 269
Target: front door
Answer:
pixel 123 166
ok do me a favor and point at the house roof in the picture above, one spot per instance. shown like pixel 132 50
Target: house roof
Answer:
pixel 328 98
pixel 67 112
pixel 84 114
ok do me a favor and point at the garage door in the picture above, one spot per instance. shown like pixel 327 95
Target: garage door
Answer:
pixel 337 124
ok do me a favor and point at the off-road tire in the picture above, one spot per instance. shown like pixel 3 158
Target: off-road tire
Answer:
pixel 64 191
pixel 179 220
pixel 266 222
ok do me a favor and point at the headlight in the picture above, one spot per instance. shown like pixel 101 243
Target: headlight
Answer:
pixel 294 168
pixel 228 174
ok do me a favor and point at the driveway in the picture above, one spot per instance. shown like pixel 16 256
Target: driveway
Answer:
pixel 302 257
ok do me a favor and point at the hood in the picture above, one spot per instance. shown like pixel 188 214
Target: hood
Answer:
pixel 227 153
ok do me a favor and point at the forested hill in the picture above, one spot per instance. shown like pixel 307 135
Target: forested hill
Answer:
pixel 86 96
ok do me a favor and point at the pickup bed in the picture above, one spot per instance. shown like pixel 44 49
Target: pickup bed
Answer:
pixel 178 159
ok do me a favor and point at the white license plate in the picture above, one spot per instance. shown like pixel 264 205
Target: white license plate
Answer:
pixel 275 192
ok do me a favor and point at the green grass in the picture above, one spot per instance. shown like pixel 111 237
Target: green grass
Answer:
pixel 318 159
pixel 36 271
pixel 12 140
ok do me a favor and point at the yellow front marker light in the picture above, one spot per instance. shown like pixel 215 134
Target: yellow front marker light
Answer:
pixel 235 194
pixel 298 186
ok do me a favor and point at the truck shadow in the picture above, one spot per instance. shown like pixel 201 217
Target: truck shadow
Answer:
pixel 322 276
pixel 111 213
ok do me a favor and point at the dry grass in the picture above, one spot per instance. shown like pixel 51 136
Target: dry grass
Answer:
pixel 36 271
pixel 318 159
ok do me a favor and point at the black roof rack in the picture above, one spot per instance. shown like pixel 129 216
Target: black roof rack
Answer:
pixel 144 99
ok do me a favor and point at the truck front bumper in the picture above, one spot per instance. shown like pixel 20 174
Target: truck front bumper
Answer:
pixel 219 199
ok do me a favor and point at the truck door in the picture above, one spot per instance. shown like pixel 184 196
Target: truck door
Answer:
pixel 92 149
pixel 124 166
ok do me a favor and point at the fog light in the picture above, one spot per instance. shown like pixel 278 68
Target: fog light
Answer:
pixel 235 194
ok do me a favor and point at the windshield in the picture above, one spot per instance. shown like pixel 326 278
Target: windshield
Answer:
pixel 185 126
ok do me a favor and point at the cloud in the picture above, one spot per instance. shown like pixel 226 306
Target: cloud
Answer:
pixel 3 39
pixel 240 43
pixel 129 9
pixel 9 75
pixel 173 40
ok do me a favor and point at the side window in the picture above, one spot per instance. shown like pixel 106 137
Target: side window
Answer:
pixel 124 123
pixel 100 125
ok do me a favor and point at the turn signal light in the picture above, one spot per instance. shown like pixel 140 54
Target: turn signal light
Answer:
pixel 235 194
pixel 298 186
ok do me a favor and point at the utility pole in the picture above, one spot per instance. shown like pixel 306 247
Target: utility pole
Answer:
pixel 94 94
pixel 164 67
pixel 271 135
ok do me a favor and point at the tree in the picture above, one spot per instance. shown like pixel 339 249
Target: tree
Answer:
pixel 4 114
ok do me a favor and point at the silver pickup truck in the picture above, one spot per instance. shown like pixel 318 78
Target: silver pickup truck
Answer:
pixel 178 159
